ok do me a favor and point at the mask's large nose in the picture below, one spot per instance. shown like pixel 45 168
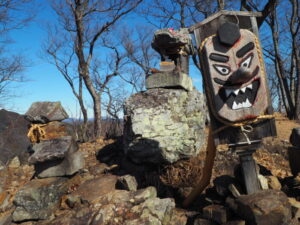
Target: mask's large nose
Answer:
pixel 241 76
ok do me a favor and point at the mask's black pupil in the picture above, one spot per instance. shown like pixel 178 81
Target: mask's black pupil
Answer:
pixel 224 70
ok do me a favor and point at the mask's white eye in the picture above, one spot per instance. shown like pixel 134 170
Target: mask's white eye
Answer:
pixel 247 62
pixel 223 70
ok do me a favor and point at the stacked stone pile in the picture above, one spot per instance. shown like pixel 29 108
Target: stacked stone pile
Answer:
pixel 54 148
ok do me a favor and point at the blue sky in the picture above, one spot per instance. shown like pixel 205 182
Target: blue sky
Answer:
pixel 44 81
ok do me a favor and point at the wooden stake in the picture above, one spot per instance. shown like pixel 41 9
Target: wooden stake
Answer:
pixel 207 170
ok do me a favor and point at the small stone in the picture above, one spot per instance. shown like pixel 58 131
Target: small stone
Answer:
pixel 217 213
pixel 273 183
pixel 234 191
pixel 44 112
pixel 222 184
pixel 14 163
pixel 144 194
pixel 263 182
pixel 73 200
pixel 127 182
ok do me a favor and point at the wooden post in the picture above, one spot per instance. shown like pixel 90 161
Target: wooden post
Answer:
pixel 248 166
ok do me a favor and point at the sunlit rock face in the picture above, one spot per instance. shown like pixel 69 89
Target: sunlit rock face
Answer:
pixel 164 125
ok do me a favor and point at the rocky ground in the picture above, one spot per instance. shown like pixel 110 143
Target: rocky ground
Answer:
pixel 110 189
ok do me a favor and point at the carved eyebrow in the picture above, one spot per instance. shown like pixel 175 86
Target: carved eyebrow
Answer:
pixel 218 57
pixel 248 47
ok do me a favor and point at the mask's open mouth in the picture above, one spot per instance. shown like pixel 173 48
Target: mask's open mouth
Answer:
pixel 241 97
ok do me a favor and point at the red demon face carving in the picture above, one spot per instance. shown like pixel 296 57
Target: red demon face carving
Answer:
pixel 234 74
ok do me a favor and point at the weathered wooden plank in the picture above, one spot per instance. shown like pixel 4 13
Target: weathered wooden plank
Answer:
pixel 224 13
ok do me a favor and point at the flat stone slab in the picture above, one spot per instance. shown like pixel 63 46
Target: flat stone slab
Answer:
pixel 169 80
pixel 52 149
pixel 68 166
pixel 44 112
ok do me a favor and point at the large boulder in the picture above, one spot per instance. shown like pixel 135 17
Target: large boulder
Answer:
pixel 38 199
pixel 13 137
pixel 164 125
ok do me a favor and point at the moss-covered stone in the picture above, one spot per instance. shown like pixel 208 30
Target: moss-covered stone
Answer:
pixel 164 125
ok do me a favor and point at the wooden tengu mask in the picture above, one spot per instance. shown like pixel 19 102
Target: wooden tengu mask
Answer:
pixel 234 74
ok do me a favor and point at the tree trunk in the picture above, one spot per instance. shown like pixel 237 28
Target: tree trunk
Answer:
pixel 96 103
pixel 284 86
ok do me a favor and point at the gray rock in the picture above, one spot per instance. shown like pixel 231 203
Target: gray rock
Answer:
pixel 13 137
pixel 295 137
pixel 164 125
pixel 6 218
pixel 144 194
pixel 38 198
pixel 72 163
pixel 266 207
pixel 158 211
pixel 44 112
pixel 52 149
pixel 127 182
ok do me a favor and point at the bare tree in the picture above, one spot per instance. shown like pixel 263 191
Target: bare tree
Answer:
pixel 139 52
pixel 84 22
pixel 12 16
pixel 60 52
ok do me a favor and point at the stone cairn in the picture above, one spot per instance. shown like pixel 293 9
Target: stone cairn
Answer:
pixel 166 122
pixel 54 150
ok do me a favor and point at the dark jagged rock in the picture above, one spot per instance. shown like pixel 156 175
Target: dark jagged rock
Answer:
pixel 267 207
pixel 38 199
pixel 13 137
pixel 52 149
pixel 44 112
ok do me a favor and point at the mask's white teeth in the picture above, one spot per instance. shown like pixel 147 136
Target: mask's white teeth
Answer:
pixel 247 104
pixel 249 86
pixel 236 91
pixel 243 89
pixel 234 106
